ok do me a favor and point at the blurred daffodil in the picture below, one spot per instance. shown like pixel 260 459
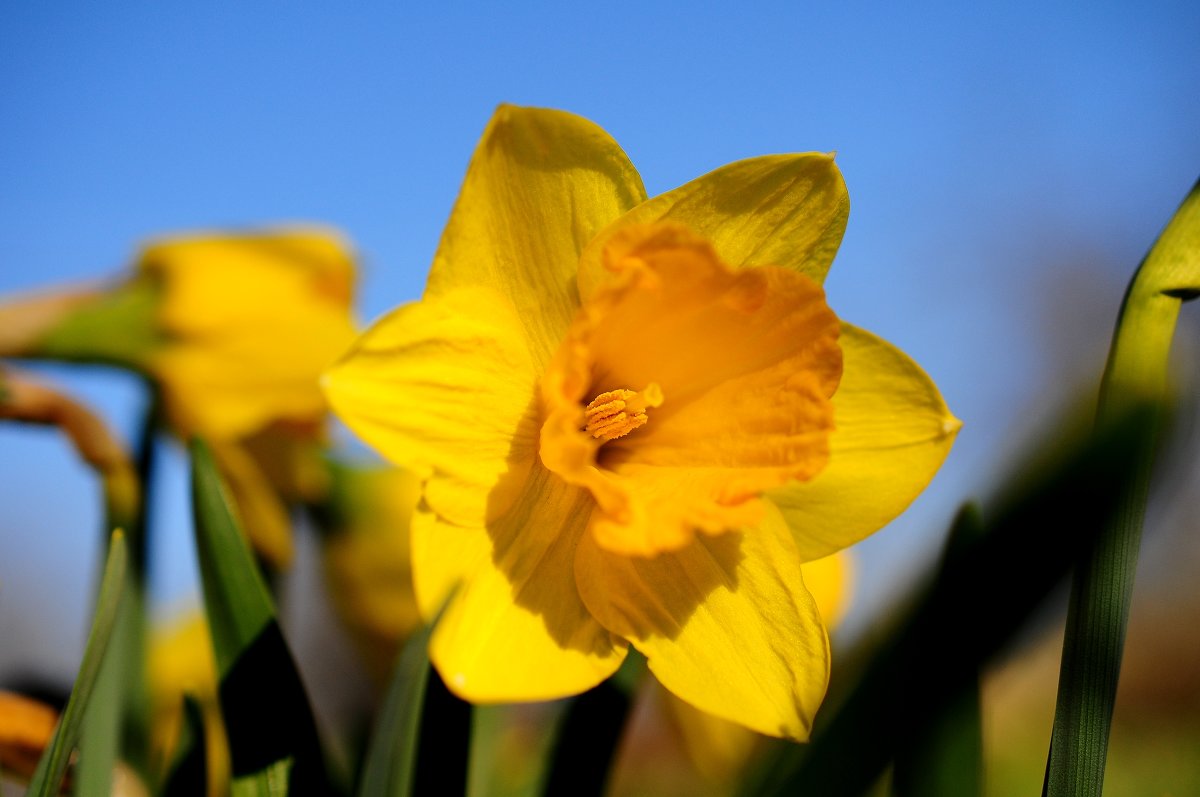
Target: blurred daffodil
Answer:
pixel 250 322
pixel 234 329
pixel 181 664
pixel 633 420
pixel 366 560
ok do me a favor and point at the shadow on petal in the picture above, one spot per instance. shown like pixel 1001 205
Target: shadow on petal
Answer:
pixel 641 597
pixel 726 623
pixel 520 602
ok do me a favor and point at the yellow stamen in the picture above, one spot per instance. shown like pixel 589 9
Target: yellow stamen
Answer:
pixel 616 413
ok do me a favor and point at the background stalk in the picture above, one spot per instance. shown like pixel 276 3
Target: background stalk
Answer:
pixel 1102 584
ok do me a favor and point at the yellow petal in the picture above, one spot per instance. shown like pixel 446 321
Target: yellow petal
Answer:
pixel 830 580
pixel 252 320
pixel 180 662
pixel 517 629
pixel 726 623
pixel 444 556
pixel 445 388
pixel 775 210
pixel 261 510
pixel 200 272
pixel 893 431
pixel 719 748
pixel 740 365
pixel 541 183
pixel 26 726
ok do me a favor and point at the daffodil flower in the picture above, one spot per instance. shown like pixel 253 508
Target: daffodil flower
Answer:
pixel 249 323
pixel 235 330
pixel 633 420
pixel 249 320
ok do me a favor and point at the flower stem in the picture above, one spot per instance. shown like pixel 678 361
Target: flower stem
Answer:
pixel 25 320
pixel 587 741
pixel 114 325
pixel 946 760
pixel 1102 584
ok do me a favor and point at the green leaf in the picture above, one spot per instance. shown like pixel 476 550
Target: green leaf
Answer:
pixel 1102 586
pixel 100 739
pixel 53 765
pixel 273 741
pixel 947 759
pixel 500 768
pixel 392 754
pixel 488 724
pixel 118 722
pixel 979 600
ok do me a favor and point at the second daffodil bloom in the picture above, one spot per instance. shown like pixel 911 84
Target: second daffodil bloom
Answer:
pixel 249 322
pixel 235 329
pixel 634 419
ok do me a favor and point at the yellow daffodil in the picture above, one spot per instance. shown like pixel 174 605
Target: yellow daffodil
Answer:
pixel 251 319
pixel 633 420
pixel 235 330
pixel 249 322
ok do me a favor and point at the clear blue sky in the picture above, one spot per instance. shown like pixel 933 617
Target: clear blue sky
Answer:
pixel 1007 169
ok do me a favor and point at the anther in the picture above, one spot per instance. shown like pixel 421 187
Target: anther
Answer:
pixel 616 413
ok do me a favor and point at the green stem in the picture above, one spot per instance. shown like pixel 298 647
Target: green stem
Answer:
pixel 1102 585
pixel 114 325
pixel 135 730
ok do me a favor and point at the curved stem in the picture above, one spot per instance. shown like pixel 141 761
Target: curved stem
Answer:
pixel 1102 584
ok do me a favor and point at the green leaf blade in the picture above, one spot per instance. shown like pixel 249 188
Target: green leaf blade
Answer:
pixel 53 764
pixel 274 747
pixel 390 767
pixel 1102 585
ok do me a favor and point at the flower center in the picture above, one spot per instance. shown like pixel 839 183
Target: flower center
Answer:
pixel 616 413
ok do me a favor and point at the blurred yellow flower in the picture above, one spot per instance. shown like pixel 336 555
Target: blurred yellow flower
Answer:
pixel 181 663
pixel 633 420
pixel 249 322
pixel 235 330
pixel 367 563
pixel 26 727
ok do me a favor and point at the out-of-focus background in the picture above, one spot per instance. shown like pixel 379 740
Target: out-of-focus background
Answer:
pixel 1007 170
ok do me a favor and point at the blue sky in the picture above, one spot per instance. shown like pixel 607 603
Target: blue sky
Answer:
pixel 1007 169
